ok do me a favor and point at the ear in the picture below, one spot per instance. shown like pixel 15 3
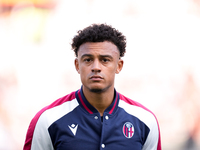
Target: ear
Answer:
pixel 76 63
pixel 119 66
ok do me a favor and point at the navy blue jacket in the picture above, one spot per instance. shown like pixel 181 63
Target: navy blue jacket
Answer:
pixel 72 123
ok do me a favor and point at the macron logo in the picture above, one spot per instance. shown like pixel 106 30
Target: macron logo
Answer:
pixel 73 128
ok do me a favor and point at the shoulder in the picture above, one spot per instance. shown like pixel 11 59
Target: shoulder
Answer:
pixel 57 103
pixel 54 111
pixel 129 102
pixel 147 117
pixel 47 116
pixel 58 107
pixel 138 110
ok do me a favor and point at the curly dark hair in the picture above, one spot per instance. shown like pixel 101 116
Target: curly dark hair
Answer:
pixel 99 33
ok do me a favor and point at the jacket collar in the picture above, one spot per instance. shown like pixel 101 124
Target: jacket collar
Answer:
pixel 90 109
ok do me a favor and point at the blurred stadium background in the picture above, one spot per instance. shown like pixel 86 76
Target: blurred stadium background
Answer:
pixel 162 65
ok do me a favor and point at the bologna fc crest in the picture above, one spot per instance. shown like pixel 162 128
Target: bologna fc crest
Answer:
pixel 128 130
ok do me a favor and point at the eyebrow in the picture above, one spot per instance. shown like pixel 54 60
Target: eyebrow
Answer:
pixel 89 55
pixel 86 55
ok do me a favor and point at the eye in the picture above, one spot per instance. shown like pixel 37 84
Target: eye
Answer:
pixel 105 60
pixel 87 60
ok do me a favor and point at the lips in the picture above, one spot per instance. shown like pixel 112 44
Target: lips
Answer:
pixel 96 77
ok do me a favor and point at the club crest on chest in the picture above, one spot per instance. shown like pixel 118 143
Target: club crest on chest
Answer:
pixel 128 130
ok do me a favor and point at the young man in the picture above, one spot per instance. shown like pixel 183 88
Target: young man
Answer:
pixel 96 116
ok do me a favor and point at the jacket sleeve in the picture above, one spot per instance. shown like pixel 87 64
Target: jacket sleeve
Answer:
pixel 153 140
pixel 37 137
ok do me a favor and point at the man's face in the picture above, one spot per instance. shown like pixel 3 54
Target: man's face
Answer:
pixel 97 64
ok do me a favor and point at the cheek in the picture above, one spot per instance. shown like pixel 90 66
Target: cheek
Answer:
pixel 111 72
pixel 83 72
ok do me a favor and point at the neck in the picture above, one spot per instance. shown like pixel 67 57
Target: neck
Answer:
pixel 99 100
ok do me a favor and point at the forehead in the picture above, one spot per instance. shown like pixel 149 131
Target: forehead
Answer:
pixel 98 48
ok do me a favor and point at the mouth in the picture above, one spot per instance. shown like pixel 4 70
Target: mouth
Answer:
pixel 96 78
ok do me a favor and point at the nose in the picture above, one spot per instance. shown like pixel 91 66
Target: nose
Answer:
pixel 96 66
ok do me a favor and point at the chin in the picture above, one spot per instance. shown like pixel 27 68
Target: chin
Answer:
pixel 99 89
pixel 96 90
